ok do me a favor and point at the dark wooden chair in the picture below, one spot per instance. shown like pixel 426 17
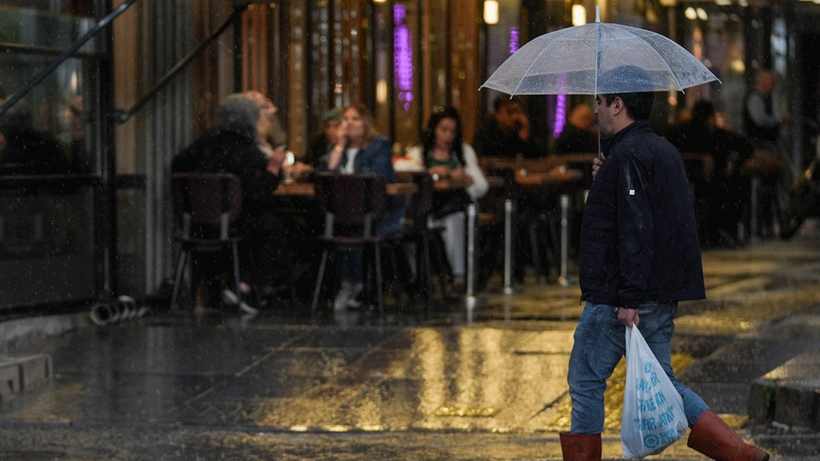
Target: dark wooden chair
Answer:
pixel 352 204
pixel 206 205
pixel 418 230
pixel 492 220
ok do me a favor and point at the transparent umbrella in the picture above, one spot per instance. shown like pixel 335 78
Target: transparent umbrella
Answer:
pixel 584 59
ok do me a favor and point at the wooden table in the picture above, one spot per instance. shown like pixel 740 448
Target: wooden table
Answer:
pixel 557 176
pixel 306 189
pixel 449 184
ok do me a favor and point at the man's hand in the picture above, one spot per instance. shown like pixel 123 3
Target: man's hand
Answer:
pixel 628 317
pixel 300 170
pixel 596 164
pixel 275 159
pixel 522 126
pixel 336 154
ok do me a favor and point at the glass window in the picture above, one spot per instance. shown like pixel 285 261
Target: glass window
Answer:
pixel 53 118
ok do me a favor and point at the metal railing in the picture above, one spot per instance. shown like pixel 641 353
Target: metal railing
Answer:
pixel 123 115
pixel 71 51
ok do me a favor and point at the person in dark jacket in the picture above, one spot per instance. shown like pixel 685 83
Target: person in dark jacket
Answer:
pixel 722 190
pixel 639 256
pixel 321 143
pixel 506 133
pixel 232 148
pixel 580 133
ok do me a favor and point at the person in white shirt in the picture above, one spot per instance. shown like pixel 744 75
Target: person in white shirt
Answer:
pixel 444 154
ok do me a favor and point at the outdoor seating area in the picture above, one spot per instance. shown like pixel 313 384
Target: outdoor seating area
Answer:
pixel 520 233
pixel 524 231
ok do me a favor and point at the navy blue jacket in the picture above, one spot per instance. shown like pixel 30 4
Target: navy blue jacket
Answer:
pixel 639 240
pixel 375 157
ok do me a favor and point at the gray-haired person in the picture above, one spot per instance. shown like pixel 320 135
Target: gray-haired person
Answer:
pixel 231 147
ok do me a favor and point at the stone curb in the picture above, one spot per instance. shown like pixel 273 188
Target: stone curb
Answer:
pixel 789 394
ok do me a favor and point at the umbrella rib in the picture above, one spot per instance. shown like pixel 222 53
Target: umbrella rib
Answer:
pixel 663 60
pixel 597 51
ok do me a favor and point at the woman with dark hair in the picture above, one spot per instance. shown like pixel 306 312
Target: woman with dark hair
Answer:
pixel 444 154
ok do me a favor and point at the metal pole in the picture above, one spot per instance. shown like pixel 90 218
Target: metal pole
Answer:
pixel 508 212
pixel 471 219
pixel 564 238
pixel 755 185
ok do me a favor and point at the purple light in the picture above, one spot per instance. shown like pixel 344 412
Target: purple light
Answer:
pixel 513 39
pixel 403 56
pixel 560 115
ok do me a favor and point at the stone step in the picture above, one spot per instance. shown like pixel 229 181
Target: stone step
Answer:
pixel 789 394
pixel 22 373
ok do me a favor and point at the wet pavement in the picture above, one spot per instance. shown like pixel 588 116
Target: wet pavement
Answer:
pixel 485 383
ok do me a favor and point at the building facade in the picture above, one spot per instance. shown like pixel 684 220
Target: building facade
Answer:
pixel 147 77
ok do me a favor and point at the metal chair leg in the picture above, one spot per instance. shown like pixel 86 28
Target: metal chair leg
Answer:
pixel 427 271
pixel 379 286
pixel 395 284
pixel 318 286
pixel 236 279
pixel 536 260
pixel 178 280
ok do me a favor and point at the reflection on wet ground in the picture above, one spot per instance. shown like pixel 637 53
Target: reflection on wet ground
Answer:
pixel 191 387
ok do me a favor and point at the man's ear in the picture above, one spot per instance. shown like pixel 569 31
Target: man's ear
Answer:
pixel 618 104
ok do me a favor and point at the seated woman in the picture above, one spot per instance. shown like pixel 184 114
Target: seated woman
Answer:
pixel 360 149
pixel 445 154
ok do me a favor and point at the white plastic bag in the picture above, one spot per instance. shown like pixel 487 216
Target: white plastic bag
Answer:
pixel 653 416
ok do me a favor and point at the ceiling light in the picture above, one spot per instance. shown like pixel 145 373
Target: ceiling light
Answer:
pixel 491 11
pixel 579 15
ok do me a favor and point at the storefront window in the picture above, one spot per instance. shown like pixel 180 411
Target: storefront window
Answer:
pixel 53 118
pixel 49 237
pixel 714 34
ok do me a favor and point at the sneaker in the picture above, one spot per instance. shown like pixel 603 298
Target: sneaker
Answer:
pixel 346 297
pixel 353 301
pixel 229 297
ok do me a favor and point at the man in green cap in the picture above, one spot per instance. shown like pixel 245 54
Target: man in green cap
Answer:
pixel 320 145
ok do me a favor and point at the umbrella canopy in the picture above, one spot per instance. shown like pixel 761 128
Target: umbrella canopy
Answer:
pixel 584 59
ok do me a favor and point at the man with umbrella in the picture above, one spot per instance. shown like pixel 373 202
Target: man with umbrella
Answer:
pixel 639 255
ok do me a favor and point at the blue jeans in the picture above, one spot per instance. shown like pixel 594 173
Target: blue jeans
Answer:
pixel 600 344
pixel 352 262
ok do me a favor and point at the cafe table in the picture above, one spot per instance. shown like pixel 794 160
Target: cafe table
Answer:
pixel 306 189
pixel 558 181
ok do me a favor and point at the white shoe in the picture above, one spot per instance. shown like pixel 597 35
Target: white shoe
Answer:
pixel 230 297
pixel 354 294
pixel 346 297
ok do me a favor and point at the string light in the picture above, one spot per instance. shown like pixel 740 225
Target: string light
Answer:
pixel 403 56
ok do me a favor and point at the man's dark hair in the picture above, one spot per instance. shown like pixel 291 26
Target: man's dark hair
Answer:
pixel 613 83
pixel 638 105
pixel 502 100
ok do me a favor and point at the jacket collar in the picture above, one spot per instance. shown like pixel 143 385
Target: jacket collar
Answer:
pixel 607 144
